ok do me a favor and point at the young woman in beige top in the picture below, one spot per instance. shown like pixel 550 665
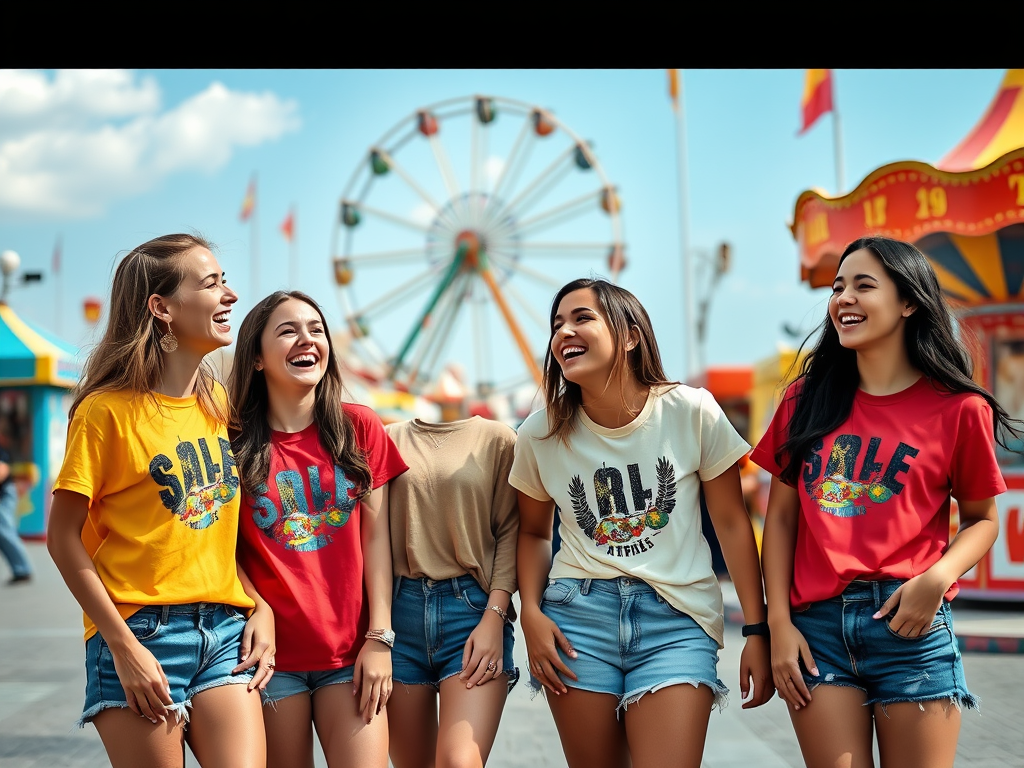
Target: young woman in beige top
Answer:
pixel 454 525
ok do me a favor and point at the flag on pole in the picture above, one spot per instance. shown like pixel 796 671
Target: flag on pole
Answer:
pixel 288 226
pixel 817 98
pixel 673 87
pixel 249 203
pixel 56 256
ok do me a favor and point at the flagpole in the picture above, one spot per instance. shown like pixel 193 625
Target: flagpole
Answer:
pixel 58 286
pixel 293 256
pixel 837 140
pixel 690 357
pixel 254 248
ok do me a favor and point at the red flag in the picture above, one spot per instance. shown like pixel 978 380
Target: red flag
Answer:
pixel 817 98
pixel 56 257
pixel 288 226
pixel 249 203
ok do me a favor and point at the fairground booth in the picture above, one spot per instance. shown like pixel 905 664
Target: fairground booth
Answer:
pixel 966 213
pixel 37 370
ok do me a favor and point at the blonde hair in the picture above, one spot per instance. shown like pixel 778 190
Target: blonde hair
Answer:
pixel 128 357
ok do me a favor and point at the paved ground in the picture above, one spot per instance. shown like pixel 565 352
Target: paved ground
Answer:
pixel 42 683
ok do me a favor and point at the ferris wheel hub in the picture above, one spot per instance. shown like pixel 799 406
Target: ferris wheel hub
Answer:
pixel 470 241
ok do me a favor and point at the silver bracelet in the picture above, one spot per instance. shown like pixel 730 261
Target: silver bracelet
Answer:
pixel 497 610
pixel 385 636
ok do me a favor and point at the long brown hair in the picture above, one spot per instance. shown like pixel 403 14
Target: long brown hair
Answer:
pixel 249 428
pixel 623 311
pixel 128 357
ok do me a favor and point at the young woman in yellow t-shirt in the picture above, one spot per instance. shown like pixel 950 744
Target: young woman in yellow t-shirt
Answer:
pixel 144 523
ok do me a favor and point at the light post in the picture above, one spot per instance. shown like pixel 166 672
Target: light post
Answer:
pixel 9 263
pixel 719 267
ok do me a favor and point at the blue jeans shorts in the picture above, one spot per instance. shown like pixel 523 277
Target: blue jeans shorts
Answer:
pixel 432 622
pixel 285 684
pixel 629 641
pixel 197 646
pixel 852 649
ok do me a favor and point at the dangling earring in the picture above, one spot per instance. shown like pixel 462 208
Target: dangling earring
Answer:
pixel 168 342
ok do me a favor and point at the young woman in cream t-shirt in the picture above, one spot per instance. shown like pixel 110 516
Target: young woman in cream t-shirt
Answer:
pixel 630 608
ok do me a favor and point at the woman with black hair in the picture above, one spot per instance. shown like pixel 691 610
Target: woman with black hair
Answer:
pixel 883 425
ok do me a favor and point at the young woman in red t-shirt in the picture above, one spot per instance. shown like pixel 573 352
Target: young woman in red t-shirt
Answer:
pixel 313 533
pixel 882 427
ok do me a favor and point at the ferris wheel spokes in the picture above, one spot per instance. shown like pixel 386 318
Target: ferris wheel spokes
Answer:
pixel 510 207
pixel 437 330
pixel 502 260
pixel 563 212
pixel 527 307
pixel 405 290
pixel 444 165
pixel 408 179
pixel 397 255
pixel 482 349
pixel 510 170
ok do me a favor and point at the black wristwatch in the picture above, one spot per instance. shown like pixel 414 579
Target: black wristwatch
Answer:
pixel 761 628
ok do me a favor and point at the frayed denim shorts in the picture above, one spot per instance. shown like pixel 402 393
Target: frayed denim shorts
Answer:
pixel 197 646
pixel 285 684
pixel 629 640
pixel 852 649
pixel 432 622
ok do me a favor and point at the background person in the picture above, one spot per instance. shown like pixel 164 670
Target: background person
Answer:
pixel 11 546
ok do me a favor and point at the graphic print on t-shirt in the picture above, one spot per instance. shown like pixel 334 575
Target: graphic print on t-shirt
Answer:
pixel 615 523
pixel 836 492
pixel 208 485
pixel 295 526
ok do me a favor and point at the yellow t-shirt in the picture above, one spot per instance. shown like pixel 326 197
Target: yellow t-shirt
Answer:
pixel 164 499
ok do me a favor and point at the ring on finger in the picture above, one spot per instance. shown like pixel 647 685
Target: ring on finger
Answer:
pixel 492 666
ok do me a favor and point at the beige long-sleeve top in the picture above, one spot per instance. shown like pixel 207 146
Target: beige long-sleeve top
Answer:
pixel 453 512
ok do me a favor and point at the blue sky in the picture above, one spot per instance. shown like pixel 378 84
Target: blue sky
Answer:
pixel 106 160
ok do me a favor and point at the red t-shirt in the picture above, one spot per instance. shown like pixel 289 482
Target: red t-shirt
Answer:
pixel 874 494
pixel 300 545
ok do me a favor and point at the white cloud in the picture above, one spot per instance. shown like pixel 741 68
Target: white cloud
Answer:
pixel 72 144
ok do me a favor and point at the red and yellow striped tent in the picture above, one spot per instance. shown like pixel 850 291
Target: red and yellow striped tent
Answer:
pixel 966 213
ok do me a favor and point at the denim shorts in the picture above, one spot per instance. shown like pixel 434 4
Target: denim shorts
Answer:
pixel 432 622
pixel 852 649
pixel 197 646
pixel 629 641
pixel 285 684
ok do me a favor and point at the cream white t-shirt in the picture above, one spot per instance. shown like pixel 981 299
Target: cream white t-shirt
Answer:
pixel 629 498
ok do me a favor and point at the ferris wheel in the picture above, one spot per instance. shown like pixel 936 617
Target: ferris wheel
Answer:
pixel 439 252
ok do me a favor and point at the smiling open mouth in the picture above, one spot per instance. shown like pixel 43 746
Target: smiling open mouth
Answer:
pixel 222 317
pixel 848 321
pixel 303 361
pixel 568 353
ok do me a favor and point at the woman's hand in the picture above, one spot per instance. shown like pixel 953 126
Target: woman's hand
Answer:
pixel 543 639
pixel 756 668
pixel 788 646
pixel 482 657
pixel 145 684
pixel 258 646
pixel 914 604
pixel 371 681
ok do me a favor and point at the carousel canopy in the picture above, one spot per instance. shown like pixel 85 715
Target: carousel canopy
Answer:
pixel 30 355
pixel 966 213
